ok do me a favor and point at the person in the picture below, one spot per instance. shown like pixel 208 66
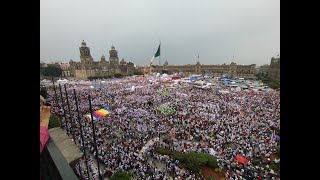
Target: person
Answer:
pixel 44 122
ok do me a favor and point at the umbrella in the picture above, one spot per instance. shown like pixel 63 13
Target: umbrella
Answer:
pixel 242 159
pixel 277 138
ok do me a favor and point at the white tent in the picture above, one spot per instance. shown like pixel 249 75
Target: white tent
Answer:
pixel 199 82
pixel 224 91
pixel 62 81
pixel 46 81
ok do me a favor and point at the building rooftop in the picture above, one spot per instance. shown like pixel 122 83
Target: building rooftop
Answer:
pixel 67 147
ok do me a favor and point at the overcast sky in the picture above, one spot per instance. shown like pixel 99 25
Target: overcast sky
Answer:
pixel 221 31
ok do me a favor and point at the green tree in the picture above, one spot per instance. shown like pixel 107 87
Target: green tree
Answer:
pixel 118 75
pixel 138 73
pixel 121 175
pixel 192 161
pixel 273 85
pixel 162 150
pixel 52 70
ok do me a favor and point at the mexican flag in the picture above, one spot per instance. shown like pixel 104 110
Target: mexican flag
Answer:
pixel 157 54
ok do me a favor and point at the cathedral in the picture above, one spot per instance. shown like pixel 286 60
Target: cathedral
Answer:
pixel 87 67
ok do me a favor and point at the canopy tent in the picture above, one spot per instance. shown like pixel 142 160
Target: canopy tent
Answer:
pixel 242 159
pixel 98 113
pixel 63 80
pixel 46 81
pixel 193 78
pixel 200 82
pixel 225 82
pixel 224 91
pixel 233 85
pixel 167 84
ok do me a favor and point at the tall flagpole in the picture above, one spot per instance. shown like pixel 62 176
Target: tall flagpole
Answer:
pixel 159 63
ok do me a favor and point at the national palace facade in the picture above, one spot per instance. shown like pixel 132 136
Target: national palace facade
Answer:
pixel 231 70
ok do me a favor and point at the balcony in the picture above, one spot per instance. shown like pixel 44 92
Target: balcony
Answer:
pixel 59 157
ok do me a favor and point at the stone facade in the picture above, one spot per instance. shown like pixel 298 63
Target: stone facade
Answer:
pixel 87 67
pixel 263 69
pixel 274 69
pixel 65 69
pixel 232 70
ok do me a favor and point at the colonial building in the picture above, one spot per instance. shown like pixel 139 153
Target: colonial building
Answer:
pixel 231 70
pixel 274 69
pixel 263 70
pixel 87 67
pixel 65 69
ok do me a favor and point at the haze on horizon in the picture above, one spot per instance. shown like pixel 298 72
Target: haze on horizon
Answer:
pixel 221 31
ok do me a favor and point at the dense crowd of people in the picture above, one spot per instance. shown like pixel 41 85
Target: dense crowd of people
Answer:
pixel 235 123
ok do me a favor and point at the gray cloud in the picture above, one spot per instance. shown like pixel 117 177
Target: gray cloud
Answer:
pixel 249 29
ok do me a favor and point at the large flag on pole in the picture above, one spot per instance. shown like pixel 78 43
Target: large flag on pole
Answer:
pixel 158 52
pixel 156 55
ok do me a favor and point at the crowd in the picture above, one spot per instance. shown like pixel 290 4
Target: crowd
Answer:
pixel 231 124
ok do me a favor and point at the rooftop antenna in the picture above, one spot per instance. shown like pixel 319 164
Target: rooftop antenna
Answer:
pixel 198 56
pixel 233 55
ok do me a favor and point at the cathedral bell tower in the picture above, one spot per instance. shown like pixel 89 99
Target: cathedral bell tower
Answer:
pixel 114 59
pixel 85 56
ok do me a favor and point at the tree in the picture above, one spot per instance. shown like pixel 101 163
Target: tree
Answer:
pixel 138 73
pixel 273 85
pixel 192 161
pixel 118 75
pixel 121 175
pixel 52 70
